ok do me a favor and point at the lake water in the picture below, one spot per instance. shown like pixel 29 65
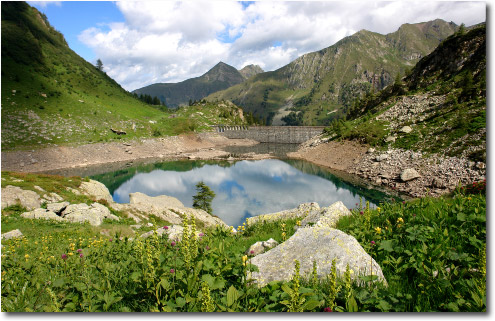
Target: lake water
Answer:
pixel 243 188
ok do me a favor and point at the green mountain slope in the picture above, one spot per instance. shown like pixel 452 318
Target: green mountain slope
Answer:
pixel 50 95
pixel 321 86
pixel 220 77
pixel 442 100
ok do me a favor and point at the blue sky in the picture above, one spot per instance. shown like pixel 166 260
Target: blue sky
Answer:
pixel 141 43
pixel 73 17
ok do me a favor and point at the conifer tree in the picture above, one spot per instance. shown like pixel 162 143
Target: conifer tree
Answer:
pixel 203 197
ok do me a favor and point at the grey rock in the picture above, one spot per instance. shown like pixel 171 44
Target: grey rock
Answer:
pixel 53 197
pixel 93 214
pixel 12 195
pixel 12 234
pixel 57 208
pixel 370 150
pixel 381 157
pixel 301 211
pixel 96 190
pixel 261 246
pixel 389 139
pixel 320 244
pixel 327 216
pixel 406 129
pixel 409 174
pixel 41 213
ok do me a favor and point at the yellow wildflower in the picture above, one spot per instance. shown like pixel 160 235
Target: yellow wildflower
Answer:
pixel 378 230
pixel 26 256
pixel 400 220
pixel 70 253
pixel 298 223
pixel 378 209
pixel 244 259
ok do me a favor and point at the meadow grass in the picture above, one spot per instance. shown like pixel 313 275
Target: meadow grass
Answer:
pixel 432 253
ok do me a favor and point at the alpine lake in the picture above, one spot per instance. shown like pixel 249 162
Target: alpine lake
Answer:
pixel 243 188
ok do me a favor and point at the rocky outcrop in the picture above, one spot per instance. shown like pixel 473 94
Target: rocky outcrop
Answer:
pixel 41 213
pixel 12 234
pixel 94 214
pixel 320 244
pixel 165 207
pixel 328 216
pixel 260 247
pixel 13 195
pixel 301 211
pixel 96 190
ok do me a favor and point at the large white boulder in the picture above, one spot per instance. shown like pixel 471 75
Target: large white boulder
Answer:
pixel 320 244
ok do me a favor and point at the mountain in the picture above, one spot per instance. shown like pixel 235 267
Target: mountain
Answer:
pixel 50 95
pixel 321 86
pixel 250 71
pixel 442 100
pixel 220 77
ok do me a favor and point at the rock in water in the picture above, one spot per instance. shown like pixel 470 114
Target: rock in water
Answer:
pixel 12 195
pixel 320 244
pixel 409 174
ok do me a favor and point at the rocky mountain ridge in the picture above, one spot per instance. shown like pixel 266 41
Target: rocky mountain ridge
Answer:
pixel 322 85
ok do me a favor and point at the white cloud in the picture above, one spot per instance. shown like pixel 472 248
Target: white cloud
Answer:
pixel 44 4
pixel 164 41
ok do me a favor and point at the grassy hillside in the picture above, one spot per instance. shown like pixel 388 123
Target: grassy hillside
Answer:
pixel 220 77
pixel 50 95
pixel 321 86
pixel 443 100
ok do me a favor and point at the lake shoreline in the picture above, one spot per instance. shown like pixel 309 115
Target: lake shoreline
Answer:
pixel 187 146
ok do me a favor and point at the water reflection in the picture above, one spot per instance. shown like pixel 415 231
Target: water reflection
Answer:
pixel 244 188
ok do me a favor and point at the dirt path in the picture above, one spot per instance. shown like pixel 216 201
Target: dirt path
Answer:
pixel 204 146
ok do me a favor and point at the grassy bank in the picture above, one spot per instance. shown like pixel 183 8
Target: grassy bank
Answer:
pixel 432 253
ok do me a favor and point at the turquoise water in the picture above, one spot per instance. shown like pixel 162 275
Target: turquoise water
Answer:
pixel 243 189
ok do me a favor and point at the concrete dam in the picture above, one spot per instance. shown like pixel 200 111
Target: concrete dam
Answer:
pixel 271 134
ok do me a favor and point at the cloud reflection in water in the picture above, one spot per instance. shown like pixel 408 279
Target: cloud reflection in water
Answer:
pixel 247 188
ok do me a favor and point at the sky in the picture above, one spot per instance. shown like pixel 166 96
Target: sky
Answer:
pixel 146 42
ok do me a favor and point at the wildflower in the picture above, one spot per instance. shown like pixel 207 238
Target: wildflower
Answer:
pixel 361 213
pixel 79 250
pixel 244 259
pixel 201 234
pixel 400 220
pixel 298 223
pixel 251 252
pixel 378 230
pixel 403 202
pixel 70 253
pixel 165 227
pixel 173 243
pixel 378 209
pixel 64 256
pixel 110 240
pixel 81 255
pixel 372 243
pixel 207 247
pixel 26 256
pixel 327 310
pixel 172 271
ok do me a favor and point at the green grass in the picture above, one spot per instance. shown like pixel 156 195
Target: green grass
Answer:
pixel 51 96
pixel 430 251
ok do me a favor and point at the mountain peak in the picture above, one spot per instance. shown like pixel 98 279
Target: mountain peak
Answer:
pixel 250 71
